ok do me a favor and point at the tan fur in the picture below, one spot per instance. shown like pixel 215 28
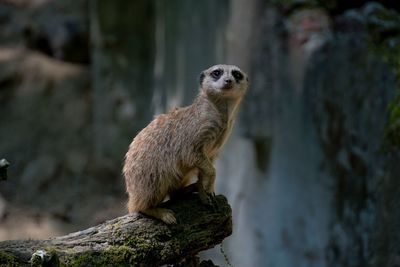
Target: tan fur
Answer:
pixel 183 143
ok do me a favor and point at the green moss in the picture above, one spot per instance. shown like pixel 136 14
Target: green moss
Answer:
pixel 46 257
pixel 114 256
pixel 139 242
pixel 392 131
pixel 8 260
pixel 134 251
pixel 384 28
pixel 143 248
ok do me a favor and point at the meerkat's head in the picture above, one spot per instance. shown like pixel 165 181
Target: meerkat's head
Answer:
pixel 224 81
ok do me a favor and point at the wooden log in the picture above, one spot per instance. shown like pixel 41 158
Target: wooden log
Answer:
pixel 130 240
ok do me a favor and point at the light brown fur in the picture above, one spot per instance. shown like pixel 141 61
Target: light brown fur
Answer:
pixel 183 143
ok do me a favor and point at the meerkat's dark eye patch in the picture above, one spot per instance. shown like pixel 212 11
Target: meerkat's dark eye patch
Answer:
pixel 237 75
pixel 216 73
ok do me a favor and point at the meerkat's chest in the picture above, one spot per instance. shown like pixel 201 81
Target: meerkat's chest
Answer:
pixel 212 149
pixel 218 124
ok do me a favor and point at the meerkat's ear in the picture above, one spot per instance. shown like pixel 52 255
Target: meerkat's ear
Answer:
pixel 201 77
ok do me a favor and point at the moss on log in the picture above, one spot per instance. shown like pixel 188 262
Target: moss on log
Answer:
pixel 130 240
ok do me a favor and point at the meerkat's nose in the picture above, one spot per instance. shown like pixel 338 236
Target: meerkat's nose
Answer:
pixel 228 81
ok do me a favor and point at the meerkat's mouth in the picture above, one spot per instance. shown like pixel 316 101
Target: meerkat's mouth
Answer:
pixel 227 86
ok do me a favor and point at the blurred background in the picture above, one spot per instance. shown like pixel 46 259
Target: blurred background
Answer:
pixel 312 169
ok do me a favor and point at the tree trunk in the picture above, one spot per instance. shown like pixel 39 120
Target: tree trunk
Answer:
pixel 130 240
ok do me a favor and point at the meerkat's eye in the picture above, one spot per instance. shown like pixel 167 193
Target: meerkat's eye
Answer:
pixel 216 73
pixel 237 75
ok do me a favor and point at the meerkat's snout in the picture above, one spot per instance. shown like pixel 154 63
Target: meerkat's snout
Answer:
pixel 228 83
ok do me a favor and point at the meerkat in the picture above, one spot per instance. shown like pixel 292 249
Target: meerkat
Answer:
pixel 184 143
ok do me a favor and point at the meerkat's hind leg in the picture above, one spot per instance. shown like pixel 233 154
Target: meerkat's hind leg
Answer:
pixel 162 214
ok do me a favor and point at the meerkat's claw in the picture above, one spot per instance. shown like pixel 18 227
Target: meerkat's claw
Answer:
pixel 208 199
pixel 214 203
pixel 205 198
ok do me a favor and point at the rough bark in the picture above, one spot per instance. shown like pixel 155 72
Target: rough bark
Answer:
pixel 130 240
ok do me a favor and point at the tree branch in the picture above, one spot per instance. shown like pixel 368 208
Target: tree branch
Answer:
pixel 130 240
